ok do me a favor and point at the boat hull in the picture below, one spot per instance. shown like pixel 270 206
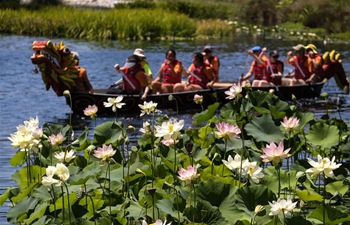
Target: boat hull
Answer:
pixel 183 101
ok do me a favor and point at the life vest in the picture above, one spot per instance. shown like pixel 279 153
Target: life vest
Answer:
pixel 258 71
pixel 198 71
pixel 267 75
pixel 319 71
pixel 129 79
pixel 305 70
pixel 167 77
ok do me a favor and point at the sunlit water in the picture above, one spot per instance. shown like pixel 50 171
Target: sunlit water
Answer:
pixel 23 95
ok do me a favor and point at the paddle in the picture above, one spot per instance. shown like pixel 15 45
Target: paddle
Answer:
pixel 244 68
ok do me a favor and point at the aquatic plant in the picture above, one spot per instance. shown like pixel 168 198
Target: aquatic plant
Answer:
pixel 228 180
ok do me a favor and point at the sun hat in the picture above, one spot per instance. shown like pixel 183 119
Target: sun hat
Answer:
pixel 299 47
pixel 139 52
pixel 207 48
pixel 130 62
pixel 256 49
pixel 274 54
pixel 312 47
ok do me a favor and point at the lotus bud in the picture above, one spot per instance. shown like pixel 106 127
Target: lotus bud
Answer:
pixel 272 91
pixel 247 86
pixel 299 174
pixel 66 93
pixel 294 98
pixel 260 210
pixel 171 98
pixel 127 140
pixel 90 148
pixel 324 96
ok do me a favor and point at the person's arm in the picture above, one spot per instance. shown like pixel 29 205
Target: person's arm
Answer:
pixel 142 78
pixel 249 74
pixel 289 58
pixel 208 72
pixel 310 66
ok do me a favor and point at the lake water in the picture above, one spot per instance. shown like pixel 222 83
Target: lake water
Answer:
pixel 23 95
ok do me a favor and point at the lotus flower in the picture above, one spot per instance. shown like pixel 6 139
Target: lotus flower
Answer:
pixel 275 154
pixel 65 156
pixel 323 165
pixel 235 163
pixel 254 171
pixel 56 140
pixel 189 174
pixel 91 111
pixel 170 129
pixel 282 205
pixel 105 152
pixel 226 130
pixel 198 99
pixel 158 222
pixel 233 91
pixel 114 103
pixel 290 124
pixel 148 107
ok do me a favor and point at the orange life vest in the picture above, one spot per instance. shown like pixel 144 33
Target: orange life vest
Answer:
pixel 167 77
pixel 267 75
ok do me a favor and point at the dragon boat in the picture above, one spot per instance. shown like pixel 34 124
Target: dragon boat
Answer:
pixel 58 71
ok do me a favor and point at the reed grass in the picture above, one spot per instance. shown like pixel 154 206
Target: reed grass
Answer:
pixel 111 24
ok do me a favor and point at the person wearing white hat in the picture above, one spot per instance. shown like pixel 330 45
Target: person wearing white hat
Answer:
pixel 138 52
pixel 303 66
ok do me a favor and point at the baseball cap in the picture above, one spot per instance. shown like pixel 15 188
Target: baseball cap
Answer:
pixel 130 62
pixel 139 52
pixel 207 48
pixel 274 54
pixel 256 49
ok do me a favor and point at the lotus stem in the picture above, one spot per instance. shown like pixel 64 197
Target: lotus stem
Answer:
pixel 69 213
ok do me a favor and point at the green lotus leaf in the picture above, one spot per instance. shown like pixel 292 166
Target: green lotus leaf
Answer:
pixel 88 172
pixel 323 135
pixel 42 221
pixel 38 212
pixel 287 179
pixel 264 129
pixel 204 116
pixel 34 172
pixel 166 205
pixel 135 210
pixel 212 191
pixel 309 195
pixel 59 203
pixel 18 159
pixel 333 216
pixel 205 212
pixel 42 193
pixel 255 195
pixel 94 203
pixel 107 133
pixel 19 211
pixel 82 142
pixel 298 220
pixel 337 187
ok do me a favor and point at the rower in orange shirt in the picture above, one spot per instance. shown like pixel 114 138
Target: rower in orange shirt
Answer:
pixel 213 60
pixel 258 66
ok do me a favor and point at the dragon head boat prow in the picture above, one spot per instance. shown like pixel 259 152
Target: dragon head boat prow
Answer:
pixel 56 64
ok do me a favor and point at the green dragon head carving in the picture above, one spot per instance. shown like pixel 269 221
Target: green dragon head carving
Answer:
pixel 56 64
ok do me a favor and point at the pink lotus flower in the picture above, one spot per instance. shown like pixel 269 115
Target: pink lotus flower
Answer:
pixel 56 139
pixel 275 154
pixel 290 124
pixel 233 91
pixel 226 130
pixel 104 152
pixel 189 174
pixel 91 111
pixel 198 99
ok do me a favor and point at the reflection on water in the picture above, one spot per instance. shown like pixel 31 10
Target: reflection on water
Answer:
pixel 23 95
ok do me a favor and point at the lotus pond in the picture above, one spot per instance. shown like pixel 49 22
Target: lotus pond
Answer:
pixel 256 160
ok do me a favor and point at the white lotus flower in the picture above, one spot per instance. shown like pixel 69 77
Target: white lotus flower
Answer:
pixel 114 103
pixel 170 129
pixel 254 171
pixel 235 163
pixel 322 165
pixel 233 91
pixel 148 108
pixel 65 156
pixel 282 206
